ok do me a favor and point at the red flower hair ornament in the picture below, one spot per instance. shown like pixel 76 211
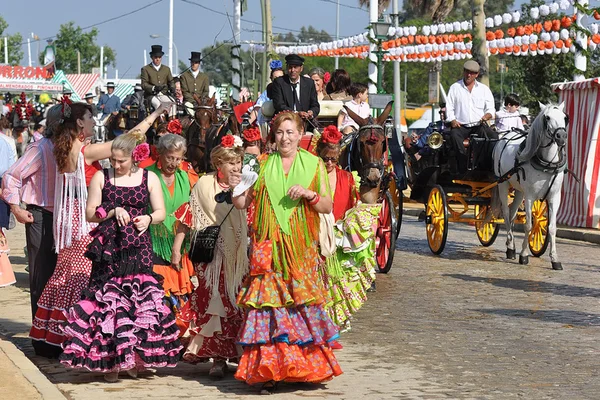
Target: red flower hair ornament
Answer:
pixel 174 126
pixel 252 134
pixel 326 78
pixel 228 141
pixel 331 134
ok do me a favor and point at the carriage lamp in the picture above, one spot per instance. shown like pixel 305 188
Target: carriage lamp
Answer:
pixel 388 127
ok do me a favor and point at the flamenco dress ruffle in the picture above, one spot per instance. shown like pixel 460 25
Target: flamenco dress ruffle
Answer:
pixel 351 270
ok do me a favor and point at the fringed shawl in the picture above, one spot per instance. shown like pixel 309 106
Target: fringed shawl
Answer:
pixel 70 186
pixel 231 251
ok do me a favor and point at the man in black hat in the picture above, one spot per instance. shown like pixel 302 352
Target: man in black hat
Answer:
pixel 109 103
pixel 67 93
pixel 89 99
pixel 157 80
pixel 194 82
pixel 295 92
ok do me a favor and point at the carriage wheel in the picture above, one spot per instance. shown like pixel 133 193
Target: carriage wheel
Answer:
pixel 437 219
pixel 538 237
pixel 386 234
pixel 486 233
pixel 398 199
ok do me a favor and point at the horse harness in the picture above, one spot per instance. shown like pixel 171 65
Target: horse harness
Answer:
pixel 355 138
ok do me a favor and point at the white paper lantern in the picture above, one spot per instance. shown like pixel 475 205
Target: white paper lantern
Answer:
pixel 545 36
pixel 492 44
pixel 593 46
pixel 509 42
pixel 533 38
pixel 405 31
pixel 442 28
pixel 549 50
pixel 413 30
pixel 516 16
pixel 553 8
pixel 534 12
pixel 554 36
pixel 544 10
pixel 572 49
pixel 518 40
pixel 564 34
pixel 435 47
pixel 506 18
pixel 445 57
pixel 346 42
pixel 469 45
pixel 564 4
pixel 421 48
pixel 594 28
pixel 426 30
pixel 464 26
pixel 469 25
pixel 526 39
pixel 449 27
pixel 456 26
pixel 391 31
pixel 489 22
pixel 556 50
pixel 565 49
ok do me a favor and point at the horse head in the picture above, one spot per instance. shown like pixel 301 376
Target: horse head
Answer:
pixel 549 129
pixel 370 147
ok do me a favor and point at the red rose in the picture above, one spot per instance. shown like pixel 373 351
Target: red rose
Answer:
pixel 331 134
pixel 175 127
pixel 326 78
pixel 227 141
pixel 252 134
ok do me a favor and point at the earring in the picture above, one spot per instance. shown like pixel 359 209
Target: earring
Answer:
pixel 220 174
pixel 81 137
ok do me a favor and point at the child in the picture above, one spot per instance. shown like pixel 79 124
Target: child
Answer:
pixel 509 117
pixel 359 93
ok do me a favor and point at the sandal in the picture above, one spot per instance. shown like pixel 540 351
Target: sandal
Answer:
pixel 268 387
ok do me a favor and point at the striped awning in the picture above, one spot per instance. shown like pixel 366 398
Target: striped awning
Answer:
pixel 576 85
pixel 123 90
pixel 83 83
pixel 60 77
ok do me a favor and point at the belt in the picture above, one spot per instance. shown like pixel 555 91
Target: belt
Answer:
pixel 33 207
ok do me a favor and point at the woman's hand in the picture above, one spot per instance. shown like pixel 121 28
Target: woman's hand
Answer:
pixel 122 216
pixel 142 223
pixel 234 179
pixel 297 192
pixel 176 260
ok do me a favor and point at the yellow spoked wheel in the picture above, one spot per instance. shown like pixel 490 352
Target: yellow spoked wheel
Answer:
pixel 538 237
pixel 486 233
pixel 437 219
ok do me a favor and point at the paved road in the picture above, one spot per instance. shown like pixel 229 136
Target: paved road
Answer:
pixel 465 325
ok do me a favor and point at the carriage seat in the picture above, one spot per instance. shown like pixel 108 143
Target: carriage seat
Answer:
pixel 330 108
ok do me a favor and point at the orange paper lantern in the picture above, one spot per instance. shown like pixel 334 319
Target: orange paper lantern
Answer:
pixel 556 25
pixel 596 38
pixel 547 26
pixel 520 30
pixel 494 50
pixel 511 32
pixel 559 44
pixel 499 34
pixel 489 35
pixel 541 45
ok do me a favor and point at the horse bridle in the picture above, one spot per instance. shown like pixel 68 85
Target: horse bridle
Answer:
pixel 380 165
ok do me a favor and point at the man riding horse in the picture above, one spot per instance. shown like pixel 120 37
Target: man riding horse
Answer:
pixel 157 81
pixel 194 82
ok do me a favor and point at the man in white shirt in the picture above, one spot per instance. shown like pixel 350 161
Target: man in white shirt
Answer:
pixel 469 105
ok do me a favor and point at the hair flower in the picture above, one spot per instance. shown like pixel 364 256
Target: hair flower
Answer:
pixel 252 134
pixel 276 64
pixel 331 134
pixel 174 126
pixel 326 77
pixel 227 141
pixel 141 152
pixel 237 141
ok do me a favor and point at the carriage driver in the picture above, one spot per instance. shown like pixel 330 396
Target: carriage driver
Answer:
pixel 109 103
pixel 469 105
pixel 157 81
pixel 193 81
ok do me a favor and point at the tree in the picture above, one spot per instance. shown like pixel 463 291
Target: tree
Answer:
pixel 15 41
pixel 216 63
pixel 69 40
pixel 310 35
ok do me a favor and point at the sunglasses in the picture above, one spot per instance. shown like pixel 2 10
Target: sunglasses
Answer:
pixel 325 159
pixel 224 197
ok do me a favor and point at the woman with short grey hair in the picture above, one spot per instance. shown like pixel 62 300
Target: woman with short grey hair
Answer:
pixel 317 74
pixel 177 178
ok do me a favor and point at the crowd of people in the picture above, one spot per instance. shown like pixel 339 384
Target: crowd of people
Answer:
pixel 144 264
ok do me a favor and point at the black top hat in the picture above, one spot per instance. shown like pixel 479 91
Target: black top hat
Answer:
pixel 195 56
pixel 110 85
pixel 156 50
pixel 294 59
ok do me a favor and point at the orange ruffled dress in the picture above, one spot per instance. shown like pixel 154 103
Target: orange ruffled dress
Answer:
pixel 286 331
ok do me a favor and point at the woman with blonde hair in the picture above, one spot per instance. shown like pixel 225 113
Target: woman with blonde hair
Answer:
pixel 214 317
pixel 286 333
pixel 121 322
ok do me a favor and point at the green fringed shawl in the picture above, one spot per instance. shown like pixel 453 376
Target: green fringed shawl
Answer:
pixel 162 234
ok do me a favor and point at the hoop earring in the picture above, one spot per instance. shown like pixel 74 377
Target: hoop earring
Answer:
pixel 81 137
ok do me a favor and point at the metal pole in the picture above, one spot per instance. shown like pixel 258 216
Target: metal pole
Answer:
pixel 29 50
pixel 78 62
pixel 176 66
pixel 373 16
pixel 5 50
pixel 582 40
pixel 264 73
pixel 145 58
pixel 379 67
pixel 337 31
pixel 269 33
pixel 235 50
pixel 397 90
pixel 102 62
pixel 171 35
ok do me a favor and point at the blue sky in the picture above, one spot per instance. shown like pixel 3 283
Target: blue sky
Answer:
pixel 195 27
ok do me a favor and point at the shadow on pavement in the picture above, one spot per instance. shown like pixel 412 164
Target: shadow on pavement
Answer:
pixel 569 317
pixel 532 286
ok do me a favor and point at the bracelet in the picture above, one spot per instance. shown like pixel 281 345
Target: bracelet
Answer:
pixel 315 199
pixel 151 219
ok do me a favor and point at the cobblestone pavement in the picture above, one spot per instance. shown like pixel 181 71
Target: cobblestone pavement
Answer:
pixel 464 325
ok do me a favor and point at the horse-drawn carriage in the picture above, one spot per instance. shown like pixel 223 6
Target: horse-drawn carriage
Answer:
pixel 532 162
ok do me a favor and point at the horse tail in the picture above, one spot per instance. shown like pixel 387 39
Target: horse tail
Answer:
pixel 495 205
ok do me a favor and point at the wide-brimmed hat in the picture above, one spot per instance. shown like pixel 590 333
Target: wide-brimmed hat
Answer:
pixel 294 59
pixel 195 56
pixel 471 65
pixel 156 50
pixel 67 91
pixel 89 95
pixel 110 85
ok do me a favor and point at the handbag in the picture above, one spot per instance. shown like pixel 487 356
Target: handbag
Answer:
pixel 327 235
pixel 202 249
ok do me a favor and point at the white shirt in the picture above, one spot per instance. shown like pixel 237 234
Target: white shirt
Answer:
pixel 469 107
pixel 195 73
pixel 505 121
pixel 13 146
pixel 155 67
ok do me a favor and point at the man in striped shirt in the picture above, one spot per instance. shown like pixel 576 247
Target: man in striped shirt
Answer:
pixel 31 181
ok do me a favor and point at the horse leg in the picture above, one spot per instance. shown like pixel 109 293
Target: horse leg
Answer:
pixel 508 225
pixel 524 256
pixel 553 202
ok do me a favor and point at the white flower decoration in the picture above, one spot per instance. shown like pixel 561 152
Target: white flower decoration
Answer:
pixel 237 141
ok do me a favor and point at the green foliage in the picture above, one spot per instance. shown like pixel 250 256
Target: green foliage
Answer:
pixel 69 40
pixel 15 54
pixel 306 35
pixel 216 63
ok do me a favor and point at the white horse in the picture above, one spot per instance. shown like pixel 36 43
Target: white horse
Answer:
pixel 537 174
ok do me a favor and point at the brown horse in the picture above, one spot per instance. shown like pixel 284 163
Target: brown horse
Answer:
pixel 367 153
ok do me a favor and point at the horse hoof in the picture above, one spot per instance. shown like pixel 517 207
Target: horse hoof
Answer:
pixel 523 260
pixel 557 266
pixel 511 254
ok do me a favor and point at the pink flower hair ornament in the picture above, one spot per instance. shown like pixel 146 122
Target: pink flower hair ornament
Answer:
pixel 141 152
